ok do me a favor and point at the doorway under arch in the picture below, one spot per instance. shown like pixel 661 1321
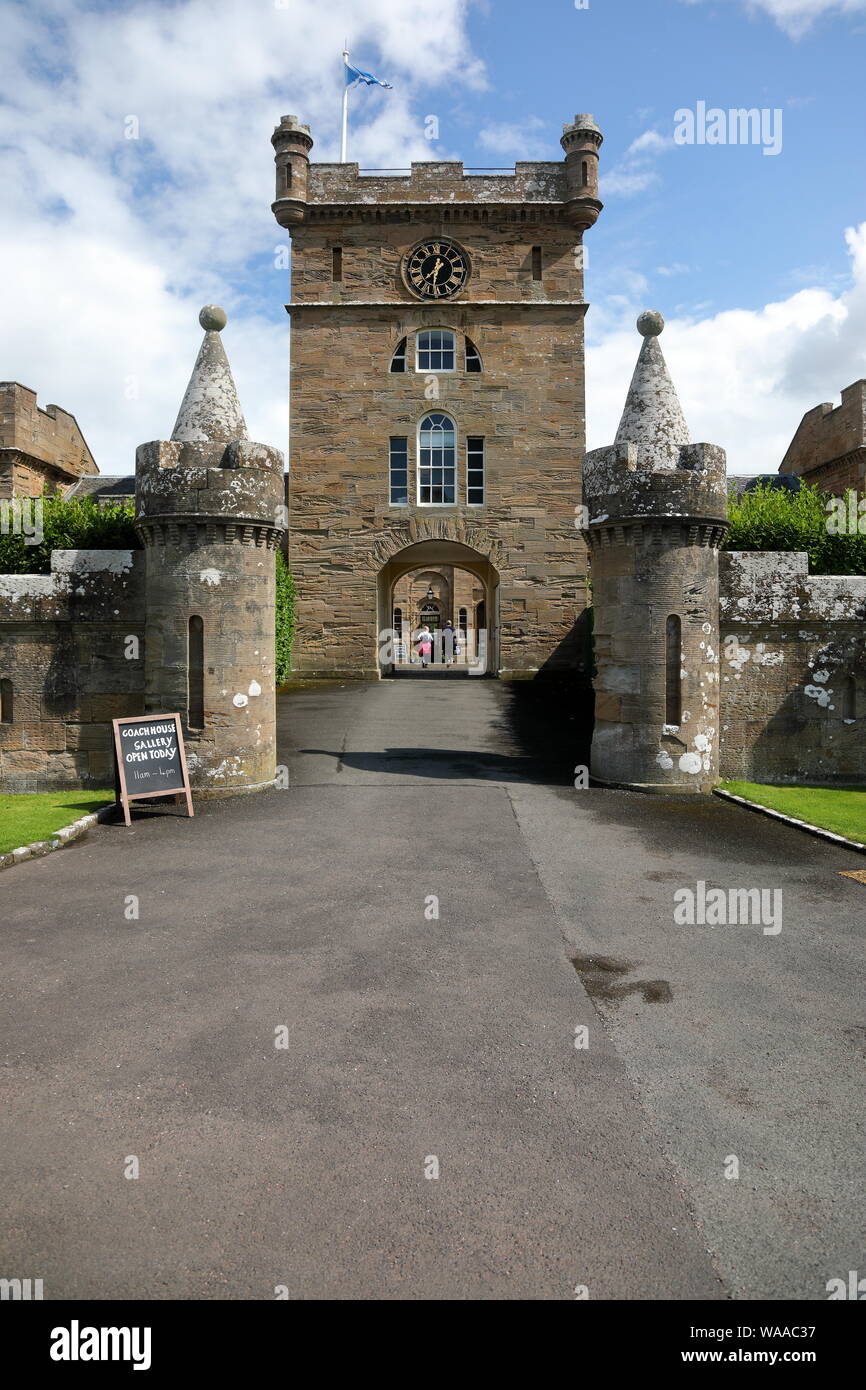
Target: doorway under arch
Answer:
pixel 434 567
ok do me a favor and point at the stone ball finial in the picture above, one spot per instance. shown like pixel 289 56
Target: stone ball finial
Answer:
pixel 650 323
pixel 212 318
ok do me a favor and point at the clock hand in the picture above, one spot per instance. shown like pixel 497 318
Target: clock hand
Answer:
pixel 436 269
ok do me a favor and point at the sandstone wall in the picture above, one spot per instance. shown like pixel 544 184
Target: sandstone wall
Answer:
pixel 793 664
pixel 64 647
pixel 40 450
pixel 829 447
pixel 527 404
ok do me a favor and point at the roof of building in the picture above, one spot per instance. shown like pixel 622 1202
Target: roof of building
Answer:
pixel 107 485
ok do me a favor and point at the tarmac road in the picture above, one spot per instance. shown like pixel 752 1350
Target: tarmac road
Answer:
pixel 418 1042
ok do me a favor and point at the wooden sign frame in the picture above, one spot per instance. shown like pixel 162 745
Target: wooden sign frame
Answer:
pixel 122 796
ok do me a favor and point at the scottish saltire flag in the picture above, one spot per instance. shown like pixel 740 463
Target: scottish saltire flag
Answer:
pixel 355 75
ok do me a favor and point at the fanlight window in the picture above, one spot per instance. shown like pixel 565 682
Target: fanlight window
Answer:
pixel 437 443
pixel 435 350
pixel 398 361
pixel 473 357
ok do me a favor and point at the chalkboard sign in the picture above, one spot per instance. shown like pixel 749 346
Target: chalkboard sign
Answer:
pixel 150 759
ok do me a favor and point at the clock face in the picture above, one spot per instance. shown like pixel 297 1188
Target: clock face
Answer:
pixel 436 270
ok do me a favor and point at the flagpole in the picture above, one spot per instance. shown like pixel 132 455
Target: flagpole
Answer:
pixel 345 140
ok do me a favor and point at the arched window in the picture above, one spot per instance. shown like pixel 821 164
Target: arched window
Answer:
pixel 673 664
pixel 435 350
pixel 473 357
pixel 195 674
pixel 398 623
pixel 849 698
pixel 463 622
pixel 398 361
pixel 437 448
pixel 5 702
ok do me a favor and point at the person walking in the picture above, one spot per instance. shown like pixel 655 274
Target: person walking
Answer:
pixel 450 642
pixel 425 645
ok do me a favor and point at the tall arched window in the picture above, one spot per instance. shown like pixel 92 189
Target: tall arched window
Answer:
pixel 6 702
pixel 195 674
pixel 398 361
pixel 435 350
pixel 473 357
pixel 673 666
pixel 463 622
pixel 398 623
pixel 437 447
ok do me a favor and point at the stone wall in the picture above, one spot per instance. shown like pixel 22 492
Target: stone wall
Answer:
pixel 793 671
pixel 40 450
pixel 345 406
pixel 65 648
pixel 829 447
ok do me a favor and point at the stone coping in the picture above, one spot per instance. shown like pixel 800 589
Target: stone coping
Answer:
pixel 439 305
pixel 792 820
pixel 59 838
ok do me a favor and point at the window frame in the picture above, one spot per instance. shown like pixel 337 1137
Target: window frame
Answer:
pixel 435 371
pixel 420 466
pixel 476 439
pixel 396 440
pixel 471 351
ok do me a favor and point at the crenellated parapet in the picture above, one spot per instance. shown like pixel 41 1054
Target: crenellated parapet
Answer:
pixel 233 489
pixel 628 503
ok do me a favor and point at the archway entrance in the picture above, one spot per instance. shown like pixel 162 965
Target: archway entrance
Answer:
pixel 445 586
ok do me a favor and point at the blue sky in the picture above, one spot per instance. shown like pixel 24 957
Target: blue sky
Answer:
pixel 111 244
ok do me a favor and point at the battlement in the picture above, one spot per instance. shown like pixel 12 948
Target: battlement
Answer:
pixel 617 488
pixel 237 482
pixel 312 190
pixel 437 182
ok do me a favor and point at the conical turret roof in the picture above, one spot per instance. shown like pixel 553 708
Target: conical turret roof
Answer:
pixel 652 417
pixel 210 410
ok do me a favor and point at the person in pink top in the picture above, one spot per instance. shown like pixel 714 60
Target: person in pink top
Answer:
pixel 425 645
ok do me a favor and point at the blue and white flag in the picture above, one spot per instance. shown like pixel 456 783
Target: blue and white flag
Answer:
pixel 355 76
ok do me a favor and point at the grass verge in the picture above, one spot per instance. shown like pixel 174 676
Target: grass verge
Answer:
pixel 840 809
pixel 26 818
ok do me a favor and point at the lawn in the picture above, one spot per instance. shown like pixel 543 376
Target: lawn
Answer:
pixel 840 809
pixel 24 818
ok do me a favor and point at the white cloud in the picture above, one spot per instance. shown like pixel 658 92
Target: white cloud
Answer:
pixel 796 17
pixel 745 377
pixel 676 269
pixel 636 170
pixel 512 139
pixel 111 245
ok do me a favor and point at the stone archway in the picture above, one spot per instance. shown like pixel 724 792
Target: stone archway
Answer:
pixel 428 552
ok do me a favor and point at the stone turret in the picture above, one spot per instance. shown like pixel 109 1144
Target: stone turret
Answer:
pixel 210 513
pixel 292 143
pixel 581 140
pixel 657 514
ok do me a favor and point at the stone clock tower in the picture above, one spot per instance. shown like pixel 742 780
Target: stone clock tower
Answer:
pixel 437 397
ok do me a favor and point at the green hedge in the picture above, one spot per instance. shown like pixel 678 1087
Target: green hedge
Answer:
pixel 78 524
pixel 769 518
pixel 285 605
